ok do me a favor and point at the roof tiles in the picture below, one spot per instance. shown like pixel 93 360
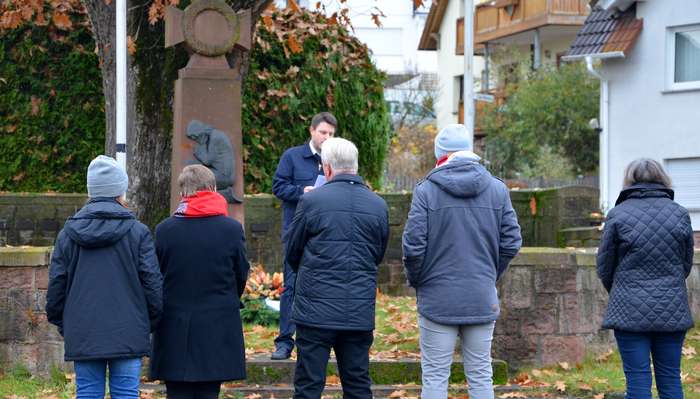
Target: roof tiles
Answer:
pixel 606 32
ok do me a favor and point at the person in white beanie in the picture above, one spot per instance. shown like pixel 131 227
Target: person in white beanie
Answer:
pixel 105 287
pixel 460 235
pixel 454 141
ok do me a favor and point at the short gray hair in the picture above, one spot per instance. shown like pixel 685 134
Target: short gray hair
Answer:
pixel 196 178
pixel 645 170
pixel 339 154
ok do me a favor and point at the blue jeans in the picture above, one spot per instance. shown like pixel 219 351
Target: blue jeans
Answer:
pixel 124 376
pixel 285 339
pixel 665 350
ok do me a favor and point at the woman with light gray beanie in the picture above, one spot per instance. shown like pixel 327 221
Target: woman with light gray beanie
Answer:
pixel 460 235
pixel 105 287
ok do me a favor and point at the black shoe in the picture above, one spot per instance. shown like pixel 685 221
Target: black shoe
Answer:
pixel 281 354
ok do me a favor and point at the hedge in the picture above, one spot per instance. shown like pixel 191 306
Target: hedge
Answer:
pixel 51 109
pixel 303 64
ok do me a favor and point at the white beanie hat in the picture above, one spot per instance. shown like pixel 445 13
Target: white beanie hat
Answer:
pixel 106 178
pixel 452 138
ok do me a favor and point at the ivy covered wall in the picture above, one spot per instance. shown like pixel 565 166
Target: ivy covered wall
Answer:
pixel 52 104
pixel 51 108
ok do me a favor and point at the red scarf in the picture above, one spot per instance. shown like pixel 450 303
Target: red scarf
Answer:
pixel 202 204
pixel 442 161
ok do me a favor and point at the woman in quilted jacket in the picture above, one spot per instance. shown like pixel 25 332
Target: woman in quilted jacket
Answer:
pixel 644 258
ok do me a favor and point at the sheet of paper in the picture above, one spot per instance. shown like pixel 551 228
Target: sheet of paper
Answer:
pixel 320 180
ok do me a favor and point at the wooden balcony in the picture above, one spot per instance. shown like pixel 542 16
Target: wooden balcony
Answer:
pixel 501 18
pixel 459 50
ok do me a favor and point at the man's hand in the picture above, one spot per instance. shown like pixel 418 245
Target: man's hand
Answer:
pixel 308 188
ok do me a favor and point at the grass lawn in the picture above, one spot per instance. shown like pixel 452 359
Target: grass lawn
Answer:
pixel 17 382
pixel 603 374
pixel 396 337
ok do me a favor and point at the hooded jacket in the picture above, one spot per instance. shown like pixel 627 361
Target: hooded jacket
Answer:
pixel 460 235
pixel 644 258
pixel 105 286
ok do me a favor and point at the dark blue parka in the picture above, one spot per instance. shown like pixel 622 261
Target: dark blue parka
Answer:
pixel 105 286
pixel 460 236
pixel 336 241
pixel 298 168
pixel 644 258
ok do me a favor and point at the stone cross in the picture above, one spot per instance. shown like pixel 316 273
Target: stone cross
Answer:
pixel 207 106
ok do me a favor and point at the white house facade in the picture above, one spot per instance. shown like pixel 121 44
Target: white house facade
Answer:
pixel 394 44
pixel 440 38
pixel 650 95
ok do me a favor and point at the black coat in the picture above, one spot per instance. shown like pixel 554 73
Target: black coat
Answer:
pixel 644 258
pixel 105 289
pixel 204 265
pixel 335 243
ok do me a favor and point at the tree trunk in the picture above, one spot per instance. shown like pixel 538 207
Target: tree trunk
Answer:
pixel 103 23
pixel 152 72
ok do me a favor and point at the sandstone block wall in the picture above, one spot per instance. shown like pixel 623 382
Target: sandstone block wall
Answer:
pixel 552 305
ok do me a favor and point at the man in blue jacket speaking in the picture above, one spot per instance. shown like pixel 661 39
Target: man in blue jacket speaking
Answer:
pixel 296 174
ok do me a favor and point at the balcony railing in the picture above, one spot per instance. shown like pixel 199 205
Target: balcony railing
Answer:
pixel 501 18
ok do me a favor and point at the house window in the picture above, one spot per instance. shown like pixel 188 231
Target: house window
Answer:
pixel 685 175
pixel 683 58
pixel 457 96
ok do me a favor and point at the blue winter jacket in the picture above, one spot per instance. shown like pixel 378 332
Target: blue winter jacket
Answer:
pixel 105 286
pixel 644 258
pixel 298 168
pixel 337 239
pixel 460 235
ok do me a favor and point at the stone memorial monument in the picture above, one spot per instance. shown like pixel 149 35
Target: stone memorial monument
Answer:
pixel 207 106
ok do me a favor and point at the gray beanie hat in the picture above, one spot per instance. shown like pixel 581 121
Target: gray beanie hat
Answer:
pixel 452 138
pixel 106 178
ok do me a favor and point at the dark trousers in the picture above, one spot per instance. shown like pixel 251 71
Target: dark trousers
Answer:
pixel 285 339
pixel 351 351
pixel 665 350
pixel 193 390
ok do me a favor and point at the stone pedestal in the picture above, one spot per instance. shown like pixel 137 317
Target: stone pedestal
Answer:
pixel 212 96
